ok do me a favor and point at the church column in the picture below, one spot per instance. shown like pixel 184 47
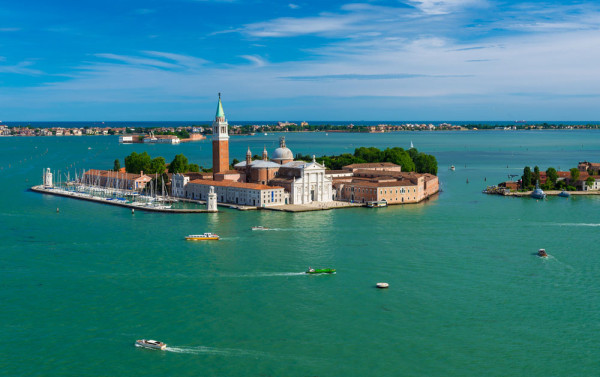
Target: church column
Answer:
pixel 321 188
pixel 303 184
pixel 308 187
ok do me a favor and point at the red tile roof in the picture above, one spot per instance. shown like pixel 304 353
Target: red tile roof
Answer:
pixel 372 165
pixel 252 186
pixel 116 175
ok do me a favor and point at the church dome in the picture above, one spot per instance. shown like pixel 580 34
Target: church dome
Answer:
pixel 283 152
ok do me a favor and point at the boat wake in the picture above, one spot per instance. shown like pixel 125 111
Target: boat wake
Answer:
pixel 202 350
pixel 576 224
pixel 234 352
pixel 264 274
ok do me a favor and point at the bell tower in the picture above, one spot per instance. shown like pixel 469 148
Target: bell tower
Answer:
pixel 220 141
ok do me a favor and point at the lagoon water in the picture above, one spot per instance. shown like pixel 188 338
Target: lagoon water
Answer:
pixel 467 297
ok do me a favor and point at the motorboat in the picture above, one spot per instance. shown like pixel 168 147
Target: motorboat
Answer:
pixel 564 194
pixel 382 285
pixel 452 168
pixel 320 270
pixel 542 253
pixel 377 204
pixel 202 237
pixel 152 344
pixel 538 193
pixel 260 227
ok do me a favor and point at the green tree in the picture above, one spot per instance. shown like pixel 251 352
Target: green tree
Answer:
pixel 590 181
pixel 183 134
pixel 400 157
pixel 117 165
pixel 526 177
pixel 193 168
pixel 425 163
pixel 371 154
pixel 179 164
pixel 536 174
pixel 574 175
pixel 157 166
pixel 135 163
pixel 551 177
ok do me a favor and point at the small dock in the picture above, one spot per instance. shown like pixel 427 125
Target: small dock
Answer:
pixel 44 190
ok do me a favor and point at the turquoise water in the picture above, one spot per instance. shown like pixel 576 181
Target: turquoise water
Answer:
pixel 467 295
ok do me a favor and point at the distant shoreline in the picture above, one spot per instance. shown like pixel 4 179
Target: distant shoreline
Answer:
pixel 257 130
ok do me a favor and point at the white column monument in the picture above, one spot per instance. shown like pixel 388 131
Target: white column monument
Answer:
pixel 47 178
pixel 211 203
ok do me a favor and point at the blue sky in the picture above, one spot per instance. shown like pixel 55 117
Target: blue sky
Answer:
pixel 443 60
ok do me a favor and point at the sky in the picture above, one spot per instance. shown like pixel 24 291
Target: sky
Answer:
pixel 395 60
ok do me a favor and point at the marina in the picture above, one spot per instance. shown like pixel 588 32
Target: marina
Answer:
pixel 120 202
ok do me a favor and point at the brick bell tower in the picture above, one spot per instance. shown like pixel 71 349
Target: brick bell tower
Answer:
pixel 220 141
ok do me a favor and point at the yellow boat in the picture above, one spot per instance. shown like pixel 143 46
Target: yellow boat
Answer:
pixel 202 237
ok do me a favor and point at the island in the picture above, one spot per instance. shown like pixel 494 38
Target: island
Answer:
pixel 369 177
pixel 581 180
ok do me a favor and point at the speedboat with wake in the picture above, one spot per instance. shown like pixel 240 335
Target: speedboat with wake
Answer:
pixel 542 253
pixel 320 270
pixel 152 344
pixel 260 227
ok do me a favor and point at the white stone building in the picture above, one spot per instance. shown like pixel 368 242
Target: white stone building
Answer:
pixel 305 181
pixel 249 194
pixel 178 183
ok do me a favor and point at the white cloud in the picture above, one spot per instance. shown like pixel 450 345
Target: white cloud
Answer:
pixel 137 61
pixel 293 6
pixel 436 7
pixel 257 60
pixel 370 52
pixel 287 27
pixel 21 68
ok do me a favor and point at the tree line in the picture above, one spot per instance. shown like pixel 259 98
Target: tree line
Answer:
pixel 529 179
pixel 138 162
pixel 410 160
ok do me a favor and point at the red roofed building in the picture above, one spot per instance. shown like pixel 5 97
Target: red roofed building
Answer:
pixel 392 186
pixel 114 179
pixel 249 194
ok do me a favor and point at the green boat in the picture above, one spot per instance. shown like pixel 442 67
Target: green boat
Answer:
pixel 320 270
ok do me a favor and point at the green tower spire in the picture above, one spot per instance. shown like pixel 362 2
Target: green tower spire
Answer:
pixel 220 112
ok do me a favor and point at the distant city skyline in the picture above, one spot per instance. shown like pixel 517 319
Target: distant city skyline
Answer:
pixel 448 60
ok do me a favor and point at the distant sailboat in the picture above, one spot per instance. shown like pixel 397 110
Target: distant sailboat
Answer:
pixel 411 145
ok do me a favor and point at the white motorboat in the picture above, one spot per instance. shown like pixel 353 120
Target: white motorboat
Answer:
pixel 202 237
pixel 382 285
pixel 260 227
pixel 153 344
